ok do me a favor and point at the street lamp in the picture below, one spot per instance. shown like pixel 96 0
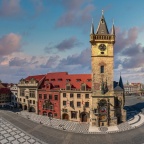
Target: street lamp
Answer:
pixel 50 118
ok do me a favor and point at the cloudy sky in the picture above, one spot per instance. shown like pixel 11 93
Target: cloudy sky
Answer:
pixel 41 36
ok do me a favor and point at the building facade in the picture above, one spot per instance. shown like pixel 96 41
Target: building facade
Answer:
pixel 104 110
pixel 134 89
pixel 28 93
pixel 5 95
pixel 14 92
pixel 65 96
pixel 76 97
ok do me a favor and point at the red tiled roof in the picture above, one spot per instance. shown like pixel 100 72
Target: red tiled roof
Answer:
pixel 1 85
pixel 4 90
pixel 60 79
pixel 36 77
pixel 5 84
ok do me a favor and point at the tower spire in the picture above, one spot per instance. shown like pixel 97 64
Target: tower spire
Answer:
pixel 113 29
pixel 121 82
pixel 92 28
pixel 102 27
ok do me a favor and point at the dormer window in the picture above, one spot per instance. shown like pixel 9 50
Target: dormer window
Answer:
pixel 102 21
pixel 68 87
pixel 78 80
pixel 52 79
pixel 68 80
pixel 60 79
pixel 89 80
pixel 83 87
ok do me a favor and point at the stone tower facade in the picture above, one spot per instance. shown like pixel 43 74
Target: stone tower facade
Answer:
pixel 107 104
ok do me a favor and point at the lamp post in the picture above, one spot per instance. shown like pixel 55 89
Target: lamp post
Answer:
pixel 50 118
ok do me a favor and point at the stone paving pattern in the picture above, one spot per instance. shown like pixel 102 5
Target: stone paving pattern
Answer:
pixel 76 127
pixel 10 134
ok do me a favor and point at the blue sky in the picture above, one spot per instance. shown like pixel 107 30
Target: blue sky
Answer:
pixel 41 36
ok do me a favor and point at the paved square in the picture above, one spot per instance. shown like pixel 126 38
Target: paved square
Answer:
pixel 11 134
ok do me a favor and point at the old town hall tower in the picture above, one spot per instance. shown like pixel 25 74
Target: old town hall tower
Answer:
pixel 107 96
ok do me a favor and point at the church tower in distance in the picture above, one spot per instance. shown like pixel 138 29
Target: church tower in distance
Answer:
pixel 107 95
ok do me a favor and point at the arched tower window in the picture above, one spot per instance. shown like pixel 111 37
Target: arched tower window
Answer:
pixel 102 69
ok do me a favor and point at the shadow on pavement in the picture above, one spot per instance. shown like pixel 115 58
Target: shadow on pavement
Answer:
pixel 133 110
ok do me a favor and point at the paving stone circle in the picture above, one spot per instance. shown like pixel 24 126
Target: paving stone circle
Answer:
pixel 103 129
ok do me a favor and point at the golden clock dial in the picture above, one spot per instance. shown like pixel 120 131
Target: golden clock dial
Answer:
pixel 102 47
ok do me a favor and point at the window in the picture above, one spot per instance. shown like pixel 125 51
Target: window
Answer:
pixel 51 107
pixel 71 95
pixel 78 95
pixel 101 69
pixel 56 97
pixel 50 96
pixel 86 95
pixel 64 103
pixel 60 79
pixel 40 96
pixel 89 80
pixel 55 114
pixel 20 99
pixel 86 104
pixel 23 100
pixel 64 94
pixel 73 114
pixel 32 94
pixel 71 104
pixel 44 113
pixel 64 110
pixel 83 87
pixel 78 80
pixel 45 96
pixel 30 101
pixel 21 92
pixel 33 101
pixel 68 87
pixel 78 104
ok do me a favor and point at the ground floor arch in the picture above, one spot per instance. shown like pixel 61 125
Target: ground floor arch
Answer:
pixel 20 106
pixel 50 114
pixel 32 109
pixel 25 107
pixel 84 117
pixel 65 116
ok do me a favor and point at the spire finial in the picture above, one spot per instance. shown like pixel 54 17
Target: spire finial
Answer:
pixel 102 12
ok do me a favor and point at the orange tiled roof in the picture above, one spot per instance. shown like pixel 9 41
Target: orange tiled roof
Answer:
pixel 61 78
pixel 36 77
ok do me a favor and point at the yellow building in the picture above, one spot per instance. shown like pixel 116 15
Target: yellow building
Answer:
pixel 28 93
pixel 107 100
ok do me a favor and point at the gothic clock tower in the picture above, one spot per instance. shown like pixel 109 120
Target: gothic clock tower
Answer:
pixel 104 111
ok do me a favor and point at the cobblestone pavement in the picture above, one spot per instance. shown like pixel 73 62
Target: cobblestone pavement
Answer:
pixel 134 121
pixel 13 135
pixel 56 136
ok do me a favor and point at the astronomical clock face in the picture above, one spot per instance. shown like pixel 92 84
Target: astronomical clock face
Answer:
pixel 102 47
pixel 103 109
